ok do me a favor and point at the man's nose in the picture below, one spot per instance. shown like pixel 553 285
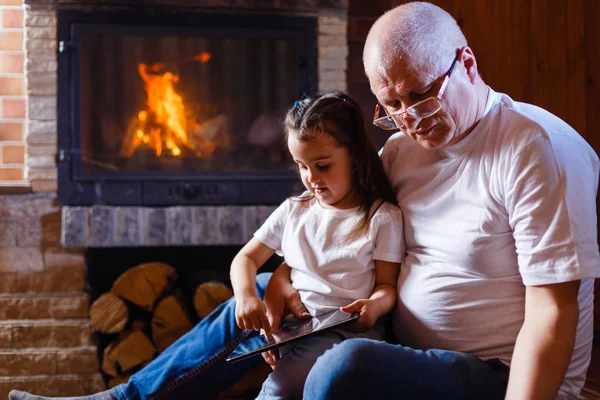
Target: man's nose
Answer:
pixel 408 121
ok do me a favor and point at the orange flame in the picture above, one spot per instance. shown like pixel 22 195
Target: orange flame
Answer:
pixel 166 125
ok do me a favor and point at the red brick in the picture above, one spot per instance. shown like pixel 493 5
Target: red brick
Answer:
pixel 12 18
pixel 20 259
pixel 39 185
pixel 11 40
pixel 31 362
pixel 5 336
pixel 54 385
pixel 8 235
pixel 77 361
pixel 12 86
pixel 12 63
pixel 11 131
pixel 57 258
pixel 13 154
pixel 64 280
pixel 24 306
pixel 50 334
pixel 20 362
pixel 13 108
pixel 11 174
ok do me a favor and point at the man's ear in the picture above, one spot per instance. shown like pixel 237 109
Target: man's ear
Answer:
pixel 468 59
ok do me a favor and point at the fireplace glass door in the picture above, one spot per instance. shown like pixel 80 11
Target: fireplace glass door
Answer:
pixel 194 98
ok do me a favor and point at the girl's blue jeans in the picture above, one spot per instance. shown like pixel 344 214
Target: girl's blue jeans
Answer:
pixel 194 367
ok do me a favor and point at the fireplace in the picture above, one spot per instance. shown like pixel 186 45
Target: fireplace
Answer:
pixel 56 247
pixel 179 108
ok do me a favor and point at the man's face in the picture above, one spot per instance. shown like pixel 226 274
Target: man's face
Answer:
pixel 407 83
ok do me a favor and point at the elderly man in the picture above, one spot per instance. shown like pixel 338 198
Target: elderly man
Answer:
pixel 499 204
pixel 496 292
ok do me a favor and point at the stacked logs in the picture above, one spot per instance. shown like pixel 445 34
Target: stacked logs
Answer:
pixel 144 313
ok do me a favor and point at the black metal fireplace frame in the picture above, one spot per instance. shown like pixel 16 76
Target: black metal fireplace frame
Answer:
pixel 77 187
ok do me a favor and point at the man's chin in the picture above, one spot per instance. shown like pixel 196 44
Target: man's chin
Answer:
pixel 434 140
pixel 430 143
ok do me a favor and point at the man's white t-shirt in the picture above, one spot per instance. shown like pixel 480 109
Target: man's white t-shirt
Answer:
pixel 327 271
pixel 512 204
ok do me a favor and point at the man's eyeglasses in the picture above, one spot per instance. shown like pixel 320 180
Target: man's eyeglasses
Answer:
pixel 421 110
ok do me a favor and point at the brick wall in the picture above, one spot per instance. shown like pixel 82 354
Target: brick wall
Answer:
pixel 45 343
pixel 12 93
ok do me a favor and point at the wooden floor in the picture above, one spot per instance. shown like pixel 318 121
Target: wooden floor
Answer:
pixel 591 390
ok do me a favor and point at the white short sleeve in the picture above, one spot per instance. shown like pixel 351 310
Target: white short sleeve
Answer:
pixel 387 225
pixel 271 232
pixel 548 212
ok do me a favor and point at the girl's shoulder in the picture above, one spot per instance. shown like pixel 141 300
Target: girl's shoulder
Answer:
pixel 301 202
pixel 383 209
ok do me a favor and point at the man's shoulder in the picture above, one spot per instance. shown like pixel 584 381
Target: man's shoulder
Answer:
pixel 523 121
pixel 522 128
pixel 399 144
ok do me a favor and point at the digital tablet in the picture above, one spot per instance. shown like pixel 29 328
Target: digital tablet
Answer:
pixel 290 331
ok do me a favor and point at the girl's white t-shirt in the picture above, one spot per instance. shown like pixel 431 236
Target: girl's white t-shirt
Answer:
pixel 512 204
pixel 327 271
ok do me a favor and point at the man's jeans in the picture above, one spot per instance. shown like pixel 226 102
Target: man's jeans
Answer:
pixel 367 369
pixel 194 367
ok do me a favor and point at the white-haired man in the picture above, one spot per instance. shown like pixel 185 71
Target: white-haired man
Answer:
pixel 499 205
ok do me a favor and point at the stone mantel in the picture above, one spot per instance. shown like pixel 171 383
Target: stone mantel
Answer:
pixel 108 226
pixel 297 6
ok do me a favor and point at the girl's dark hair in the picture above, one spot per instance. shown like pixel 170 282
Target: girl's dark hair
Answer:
pixel 342 118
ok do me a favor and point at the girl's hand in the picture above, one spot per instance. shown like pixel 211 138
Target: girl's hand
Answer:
pixel 271 357
pixel 367 314
pixel 251 313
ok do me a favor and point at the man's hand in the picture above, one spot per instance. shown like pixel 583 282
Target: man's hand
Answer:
pixel 280 300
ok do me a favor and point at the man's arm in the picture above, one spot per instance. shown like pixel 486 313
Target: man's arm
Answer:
pixel 280 299
pixel 545 343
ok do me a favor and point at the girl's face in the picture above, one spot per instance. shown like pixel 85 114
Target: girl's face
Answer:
pixel 326 170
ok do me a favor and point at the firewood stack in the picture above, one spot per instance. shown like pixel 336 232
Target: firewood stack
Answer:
pixel 144 313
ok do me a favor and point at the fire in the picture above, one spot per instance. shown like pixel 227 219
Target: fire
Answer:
pixel 166 125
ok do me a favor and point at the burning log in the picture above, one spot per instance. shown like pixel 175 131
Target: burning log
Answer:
pixel 142 285
pixel 209 136
pixel 208 296
pixel 108 314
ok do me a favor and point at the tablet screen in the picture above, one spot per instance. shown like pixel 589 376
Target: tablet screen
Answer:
pixel 291 330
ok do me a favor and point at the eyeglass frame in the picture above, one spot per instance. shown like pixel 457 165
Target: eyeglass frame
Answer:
pixel 400 114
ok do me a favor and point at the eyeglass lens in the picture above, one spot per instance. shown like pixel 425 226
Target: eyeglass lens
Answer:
pixel 421 110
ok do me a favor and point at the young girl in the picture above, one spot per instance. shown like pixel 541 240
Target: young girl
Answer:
pixel 342 238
